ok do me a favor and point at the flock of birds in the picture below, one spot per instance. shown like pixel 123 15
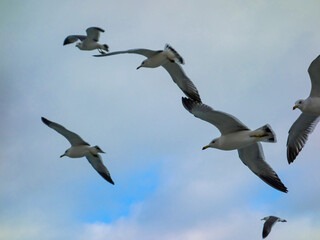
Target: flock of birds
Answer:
pixel 234 134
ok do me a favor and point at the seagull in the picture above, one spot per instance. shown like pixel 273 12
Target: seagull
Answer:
pixel 89 42
pixel 236 135
pixel 170 60
pixel 310 108
pixel 79 148
pixel 270 221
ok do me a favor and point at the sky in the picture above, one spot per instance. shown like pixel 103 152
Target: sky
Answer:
pixel 247 58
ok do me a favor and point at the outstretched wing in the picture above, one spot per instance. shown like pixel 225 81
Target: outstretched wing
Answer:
pixel 94 33
pixel 226 123
pixel 73 138
pixel 268 225
pixel 73 38
pixel 180 78
pixel 252 156
pixel 97 164
pixel 298 134
pixel 142 51
pixel 314 73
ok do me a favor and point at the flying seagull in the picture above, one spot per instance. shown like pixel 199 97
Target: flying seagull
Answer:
pixel 310 108
pixel 269 222
pixel 79 148
pixel 170 60
pixel 89 42
pixel 236 135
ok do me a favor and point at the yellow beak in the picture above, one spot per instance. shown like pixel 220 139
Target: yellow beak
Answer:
pixel 294 107
pixel 205 147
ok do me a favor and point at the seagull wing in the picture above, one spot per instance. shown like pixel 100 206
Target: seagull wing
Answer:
pixel 252 156
pixel 226 123
pixel 142 51
pixel 314 73
pixel 298 134
pixel 181 79
pixel 268 225
pixel 93 33
pixel 97 164
pixel 73 38
pixel 73 138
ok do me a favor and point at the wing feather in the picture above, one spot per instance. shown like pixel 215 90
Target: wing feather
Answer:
pixel 73 138
pixel 97 164
pixel 252 156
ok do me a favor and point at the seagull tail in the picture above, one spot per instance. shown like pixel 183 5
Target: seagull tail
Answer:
pixel 265 134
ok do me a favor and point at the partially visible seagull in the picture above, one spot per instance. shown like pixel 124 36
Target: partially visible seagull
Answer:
pixel 89 42
pixel 270 221
pixel 79 148
pixel 236 135
pixel 170 60
pixel 310 108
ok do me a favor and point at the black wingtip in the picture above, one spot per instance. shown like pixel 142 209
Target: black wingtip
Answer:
pixel 99 29
pixel 45 121
pixel 292 154
pixel 187 103
pixel 274 182
pixel 66 41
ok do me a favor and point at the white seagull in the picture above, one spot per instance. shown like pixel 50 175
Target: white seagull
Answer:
pixel 80 148
pixel 310 108
pixel 89 42
pixel 269 222
pixel 170 60
pixel 236 135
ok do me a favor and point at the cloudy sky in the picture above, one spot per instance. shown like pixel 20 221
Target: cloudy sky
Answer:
pixel 247 58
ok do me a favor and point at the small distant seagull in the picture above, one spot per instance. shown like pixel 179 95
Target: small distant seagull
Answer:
pixel 170 60
pixel 310 107
pixel 80 148
pixel 89 42
pixel 236 135
pixel 270 221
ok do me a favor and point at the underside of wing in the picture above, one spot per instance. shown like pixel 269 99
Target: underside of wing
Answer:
pixel 314 73
pixel 267 226
pixel 252 156
pixel 226 123
pixel 180 78
pixel 73 138
pixel 73 38
pixel 141 51
pixel 298 134
pixel 94 33
pixel 97 164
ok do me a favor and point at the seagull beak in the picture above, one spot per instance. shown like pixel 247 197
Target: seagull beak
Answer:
pixel 62 155
pixel 294 107
pixel 138 67
pixel 102 151
pixel 205 147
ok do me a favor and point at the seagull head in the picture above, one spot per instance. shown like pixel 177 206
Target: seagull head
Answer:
pixel 265 218
pixel 298 104
pixel 142 64
pixel 78 45
pixel 212 144
pixel 98 149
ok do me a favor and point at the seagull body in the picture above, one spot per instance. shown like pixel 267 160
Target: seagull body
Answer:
pixel 89 42
pixel 269 222
pixel 170 60
pixel 79 148
pixel 236 135
pixel 307 121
